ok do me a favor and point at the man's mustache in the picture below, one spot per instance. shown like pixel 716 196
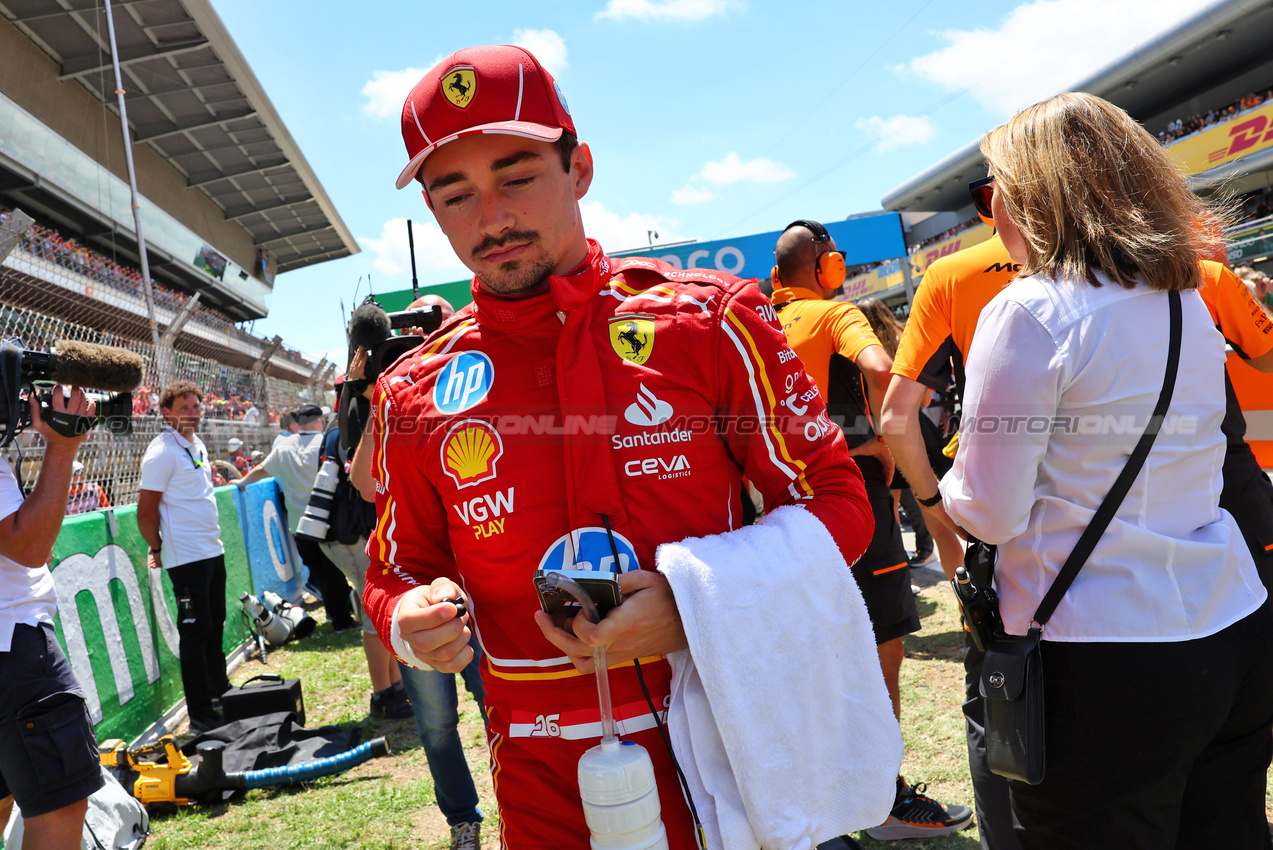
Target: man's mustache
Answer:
pixel 511 236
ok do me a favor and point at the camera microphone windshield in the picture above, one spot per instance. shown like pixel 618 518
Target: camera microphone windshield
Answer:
pixel 108 376
pixel 83 364
pixel 369 327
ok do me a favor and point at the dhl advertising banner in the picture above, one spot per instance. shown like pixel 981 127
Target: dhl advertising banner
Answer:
pixel 1250 132
pixel 876 280
pixel 926 257
pixel 116 618
pixel 861 240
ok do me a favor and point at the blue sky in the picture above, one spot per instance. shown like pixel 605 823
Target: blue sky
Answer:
pixel 707 118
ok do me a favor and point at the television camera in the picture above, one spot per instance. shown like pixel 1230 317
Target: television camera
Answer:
pixel 372 329
pixel 107 374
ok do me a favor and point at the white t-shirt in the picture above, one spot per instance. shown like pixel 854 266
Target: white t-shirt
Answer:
pixel 1062 378
pixel 188 519
pixel 27 596
pixel 294 462
pixel 251 416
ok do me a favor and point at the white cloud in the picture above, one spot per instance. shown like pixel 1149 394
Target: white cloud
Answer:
pixel 691 194
pixel 898 131
pixel 732 169
pixel 1044 47
pixel 548 47
pixel 663 10
pixel 433 253
pixel 388 90
pixel 631 231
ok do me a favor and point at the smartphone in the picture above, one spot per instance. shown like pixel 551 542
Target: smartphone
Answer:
pixel 603 587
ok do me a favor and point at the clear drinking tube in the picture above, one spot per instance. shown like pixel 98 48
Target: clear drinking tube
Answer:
pixel 572 587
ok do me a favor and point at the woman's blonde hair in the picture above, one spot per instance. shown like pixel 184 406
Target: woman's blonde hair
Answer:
pixel 888 330
pixel 1090 190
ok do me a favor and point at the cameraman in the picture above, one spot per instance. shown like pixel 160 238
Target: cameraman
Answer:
pixel 48 752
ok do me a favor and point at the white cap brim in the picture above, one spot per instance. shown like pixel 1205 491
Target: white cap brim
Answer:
pixel 526 129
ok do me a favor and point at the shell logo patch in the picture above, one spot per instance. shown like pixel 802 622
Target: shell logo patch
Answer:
pixel 632 337
pixel 470 451
pixel 459 86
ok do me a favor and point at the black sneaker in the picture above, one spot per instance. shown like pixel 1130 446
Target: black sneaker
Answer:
pixel 917 816
pixel 391 704
pixel 921 559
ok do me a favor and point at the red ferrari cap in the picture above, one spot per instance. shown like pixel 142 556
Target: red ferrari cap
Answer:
pixel 497 89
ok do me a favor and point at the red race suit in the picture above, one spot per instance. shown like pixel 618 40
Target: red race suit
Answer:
pixel 626 392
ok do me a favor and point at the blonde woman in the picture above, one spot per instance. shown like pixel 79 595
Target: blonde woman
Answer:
pixel 1158 662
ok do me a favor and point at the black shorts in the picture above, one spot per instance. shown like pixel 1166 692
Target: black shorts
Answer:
pixel 882 573
pixel 48 753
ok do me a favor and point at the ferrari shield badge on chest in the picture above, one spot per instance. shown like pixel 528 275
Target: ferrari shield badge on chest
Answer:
pixel 632 337
pixel 460 85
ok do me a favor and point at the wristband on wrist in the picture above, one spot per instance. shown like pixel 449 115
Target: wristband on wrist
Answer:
pixel 930 502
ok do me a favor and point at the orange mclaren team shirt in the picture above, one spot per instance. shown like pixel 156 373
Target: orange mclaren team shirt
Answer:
pixel 817 329
pixel 1237 315
pixel 944 314
pixel 1245 327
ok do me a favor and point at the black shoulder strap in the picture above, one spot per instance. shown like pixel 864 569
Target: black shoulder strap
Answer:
pixel 1105 513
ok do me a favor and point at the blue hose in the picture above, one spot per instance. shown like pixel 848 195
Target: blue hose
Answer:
pixel 310 770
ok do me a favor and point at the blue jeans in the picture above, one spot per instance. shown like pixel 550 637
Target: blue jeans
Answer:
pixel 435 701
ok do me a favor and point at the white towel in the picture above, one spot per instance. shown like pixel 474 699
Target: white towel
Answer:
pixel 779 717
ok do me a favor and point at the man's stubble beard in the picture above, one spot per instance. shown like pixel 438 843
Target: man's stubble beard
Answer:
pixel 516 276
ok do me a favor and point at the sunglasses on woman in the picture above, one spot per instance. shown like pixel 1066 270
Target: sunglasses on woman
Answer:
pixel 982 191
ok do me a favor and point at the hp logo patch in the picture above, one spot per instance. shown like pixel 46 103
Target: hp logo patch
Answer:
pixel 589 549
pixel 463 382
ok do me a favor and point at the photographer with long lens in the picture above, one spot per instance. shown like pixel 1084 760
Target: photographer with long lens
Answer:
pixel 294 462
pixel 48 753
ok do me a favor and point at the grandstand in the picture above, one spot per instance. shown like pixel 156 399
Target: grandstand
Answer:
pixel 227 201
pixel 1203 88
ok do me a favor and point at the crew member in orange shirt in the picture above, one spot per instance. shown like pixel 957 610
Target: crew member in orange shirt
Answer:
pixel 1247 493
pixel 844 359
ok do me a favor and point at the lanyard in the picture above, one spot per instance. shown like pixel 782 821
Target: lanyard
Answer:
pixel 198 462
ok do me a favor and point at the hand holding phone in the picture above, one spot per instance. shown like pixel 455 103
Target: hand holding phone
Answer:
pixel 601 587
pixel 646 624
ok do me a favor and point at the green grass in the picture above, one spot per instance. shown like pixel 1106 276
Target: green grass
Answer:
pixel 389 803
pixel 385 803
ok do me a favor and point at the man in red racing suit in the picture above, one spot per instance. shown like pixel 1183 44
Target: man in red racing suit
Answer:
pixel 609 396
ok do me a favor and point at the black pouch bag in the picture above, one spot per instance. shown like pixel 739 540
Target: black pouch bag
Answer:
pixel 1012 687
pixel 1012 672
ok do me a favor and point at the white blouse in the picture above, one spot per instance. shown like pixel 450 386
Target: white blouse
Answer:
pixel 1061 380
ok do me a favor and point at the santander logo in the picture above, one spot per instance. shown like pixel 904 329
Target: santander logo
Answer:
pixel 648 410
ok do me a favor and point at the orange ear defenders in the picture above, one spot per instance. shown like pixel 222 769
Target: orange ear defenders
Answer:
pixel 829 269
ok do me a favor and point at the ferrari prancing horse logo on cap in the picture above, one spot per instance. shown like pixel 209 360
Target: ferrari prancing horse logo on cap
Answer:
pixel 459 85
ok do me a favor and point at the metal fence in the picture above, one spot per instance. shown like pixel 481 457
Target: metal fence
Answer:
pixel 38 313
